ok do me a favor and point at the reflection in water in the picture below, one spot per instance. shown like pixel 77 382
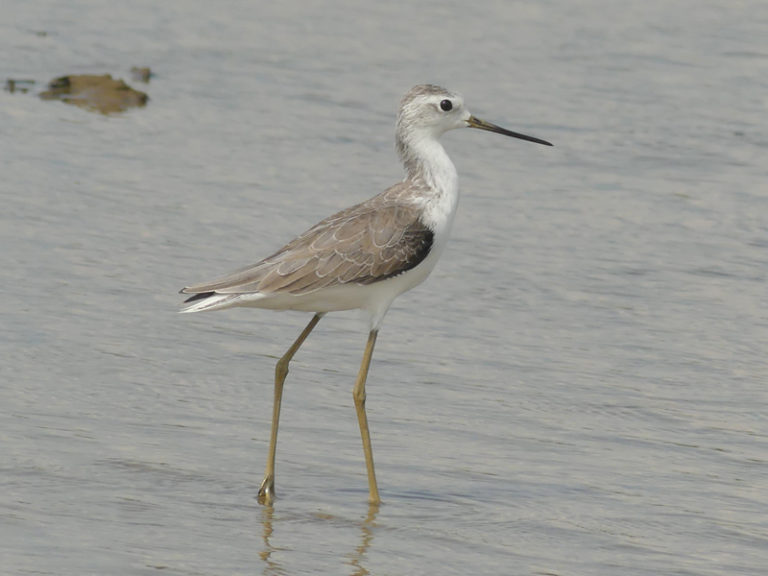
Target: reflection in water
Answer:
pixel 270 566
pixel 366 530
pixel 356 557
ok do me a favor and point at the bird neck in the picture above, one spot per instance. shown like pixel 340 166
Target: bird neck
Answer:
pixel 426 160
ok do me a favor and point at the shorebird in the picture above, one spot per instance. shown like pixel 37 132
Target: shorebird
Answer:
pixel 362 257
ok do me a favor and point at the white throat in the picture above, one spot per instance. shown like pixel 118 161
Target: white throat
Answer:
pixel 429 166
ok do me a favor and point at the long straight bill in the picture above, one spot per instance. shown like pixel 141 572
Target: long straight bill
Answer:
pixel 473 122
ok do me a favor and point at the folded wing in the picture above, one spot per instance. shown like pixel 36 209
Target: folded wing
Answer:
pixel 361 245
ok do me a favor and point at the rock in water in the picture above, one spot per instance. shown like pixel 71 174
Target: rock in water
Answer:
pixel 100 93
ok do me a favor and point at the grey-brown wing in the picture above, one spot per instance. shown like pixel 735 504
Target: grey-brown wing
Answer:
pixel 363 244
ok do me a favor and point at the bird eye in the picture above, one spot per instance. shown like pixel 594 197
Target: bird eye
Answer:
pixel 446 105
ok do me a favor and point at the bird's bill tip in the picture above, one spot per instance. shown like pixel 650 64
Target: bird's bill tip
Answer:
pixel 474 122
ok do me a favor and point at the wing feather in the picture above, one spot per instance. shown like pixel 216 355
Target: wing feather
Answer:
pixel 372 241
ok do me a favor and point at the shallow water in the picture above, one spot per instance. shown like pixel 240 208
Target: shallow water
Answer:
pixel 579 388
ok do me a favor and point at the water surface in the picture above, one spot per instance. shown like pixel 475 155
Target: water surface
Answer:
pixel 579 388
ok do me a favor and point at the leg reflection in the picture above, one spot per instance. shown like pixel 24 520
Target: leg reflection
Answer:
pixel 356 558
pixel 367 526
pixel 271 567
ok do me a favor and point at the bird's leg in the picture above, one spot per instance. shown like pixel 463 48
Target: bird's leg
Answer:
pixel 359 396
pixel 267 489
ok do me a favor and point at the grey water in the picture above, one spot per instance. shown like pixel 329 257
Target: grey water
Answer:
pixel 580 388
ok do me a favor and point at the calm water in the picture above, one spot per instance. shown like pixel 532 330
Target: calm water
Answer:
pixel 580 388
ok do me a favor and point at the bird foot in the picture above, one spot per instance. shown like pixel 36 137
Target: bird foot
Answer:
pixel 267 490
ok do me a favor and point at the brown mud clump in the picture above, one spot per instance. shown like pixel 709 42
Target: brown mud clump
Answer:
pixel 15 85
pixel 99 93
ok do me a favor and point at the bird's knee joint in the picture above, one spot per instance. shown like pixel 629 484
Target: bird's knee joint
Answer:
pixel 281 369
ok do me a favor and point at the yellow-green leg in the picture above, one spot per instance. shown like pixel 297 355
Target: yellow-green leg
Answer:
pixel 267 490
pixel 362 419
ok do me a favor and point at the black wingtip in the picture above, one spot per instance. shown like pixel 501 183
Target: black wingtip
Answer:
pixel 196 297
